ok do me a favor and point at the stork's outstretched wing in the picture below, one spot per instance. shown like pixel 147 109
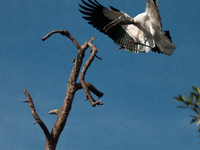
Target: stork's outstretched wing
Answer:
pixel 99 16
pixel 160 38
pixel 153 12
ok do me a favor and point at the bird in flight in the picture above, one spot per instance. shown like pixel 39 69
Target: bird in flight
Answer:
pixel 142 33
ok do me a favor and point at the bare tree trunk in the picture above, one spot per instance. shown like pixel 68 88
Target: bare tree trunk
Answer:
pixel 72 87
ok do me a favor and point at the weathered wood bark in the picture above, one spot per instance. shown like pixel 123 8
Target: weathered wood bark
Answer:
pixel 72 87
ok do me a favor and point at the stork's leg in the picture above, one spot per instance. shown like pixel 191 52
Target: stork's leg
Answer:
pixel 121 47
pixel 125 47
pixel 131 46
pixel 145 45
pixel 136 43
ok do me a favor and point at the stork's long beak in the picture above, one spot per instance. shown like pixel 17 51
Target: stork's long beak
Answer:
pixel 111 24
pixel 121 21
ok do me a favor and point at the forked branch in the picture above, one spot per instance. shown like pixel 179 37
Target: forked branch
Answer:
pixel 63 32
pixel 93 102
pixel 91 88
pixel 35 115
pixel 72 87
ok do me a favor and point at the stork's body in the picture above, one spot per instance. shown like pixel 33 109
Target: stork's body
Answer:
pixel 145 29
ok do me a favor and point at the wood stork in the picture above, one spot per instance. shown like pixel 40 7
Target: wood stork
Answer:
pixel 142 33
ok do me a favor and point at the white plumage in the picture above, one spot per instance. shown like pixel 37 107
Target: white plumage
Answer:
pixel 142 33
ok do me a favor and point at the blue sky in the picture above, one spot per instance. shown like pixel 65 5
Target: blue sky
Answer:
pixel 139 110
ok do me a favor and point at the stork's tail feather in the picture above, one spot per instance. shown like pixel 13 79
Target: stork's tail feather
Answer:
pixel 167 34
pixel 164 42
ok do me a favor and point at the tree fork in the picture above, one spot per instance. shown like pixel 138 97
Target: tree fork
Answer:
pixel 63 112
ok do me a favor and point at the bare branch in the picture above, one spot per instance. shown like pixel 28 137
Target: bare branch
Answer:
pixel 35 115
pixel 92 39
pixel 35 122
pixel 82 75
pixel 98 57
pixel 50 34
pixel 72 87
pixel 56 111
pixel 63 112
pixel 63 32
pixel 91 88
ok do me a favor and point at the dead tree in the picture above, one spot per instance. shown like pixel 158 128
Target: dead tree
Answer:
pixel 72 87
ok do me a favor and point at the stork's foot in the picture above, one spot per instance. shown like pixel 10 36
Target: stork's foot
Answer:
pixel 134 42
pixel 121 47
